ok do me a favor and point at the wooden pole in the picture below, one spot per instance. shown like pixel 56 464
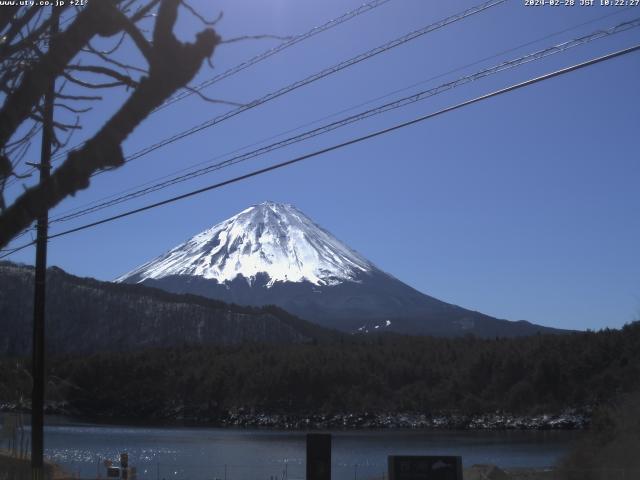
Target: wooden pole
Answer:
pixel 37 397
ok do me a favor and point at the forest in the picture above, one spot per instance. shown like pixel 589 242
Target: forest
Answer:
pixel 349 373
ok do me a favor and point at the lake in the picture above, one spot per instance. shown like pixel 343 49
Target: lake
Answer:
pixel 199 453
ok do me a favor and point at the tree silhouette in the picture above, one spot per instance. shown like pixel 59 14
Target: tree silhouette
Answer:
pixel 27 70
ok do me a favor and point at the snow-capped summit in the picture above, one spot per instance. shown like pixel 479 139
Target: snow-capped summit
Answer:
pixel 273 254
pixel 270 238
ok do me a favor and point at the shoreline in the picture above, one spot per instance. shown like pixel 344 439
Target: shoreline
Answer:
pixel 364 421
pixel 570 419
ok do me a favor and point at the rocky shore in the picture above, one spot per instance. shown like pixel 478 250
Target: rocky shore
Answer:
pixel 570 419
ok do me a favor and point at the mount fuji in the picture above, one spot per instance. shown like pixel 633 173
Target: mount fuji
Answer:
pixel 272 253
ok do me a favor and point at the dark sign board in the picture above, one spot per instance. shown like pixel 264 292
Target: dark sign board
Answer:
pixel 318 456
pixel 113 472
pixel 425 468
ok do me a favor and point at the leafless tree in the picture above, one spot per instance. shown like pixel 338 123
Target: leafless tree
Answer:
pixel 30 57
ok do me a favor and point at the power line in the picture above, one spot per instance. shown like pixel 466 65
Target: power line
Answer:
pixel 105 202
pixel 313 78
pixel 328 71
pixel 353 141
pixel 277 49
pixel 88 205
pixel 499 54
pixel 366 7
pixel 317 76
pixel 402 102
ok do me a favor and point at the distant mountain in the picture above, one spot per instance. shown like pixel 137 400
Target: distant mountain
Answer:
pixel 272 241
pixel 86 315
pixel 274 254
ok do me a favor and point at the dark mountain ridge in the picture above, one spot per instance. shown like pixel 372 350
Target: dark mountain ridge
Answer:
pixel 374 302
pixel 85 315
pixel 273 254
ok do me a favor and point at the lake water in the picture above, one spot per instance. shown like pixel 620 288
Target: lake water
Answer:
pixel 197 453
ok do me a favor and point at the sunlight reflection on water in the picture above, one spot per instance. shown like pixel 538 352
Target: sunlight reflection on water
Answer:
pixel 236 454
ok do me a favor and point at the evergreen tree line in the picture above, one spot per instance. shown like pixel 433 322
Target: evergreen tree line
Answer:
pixel 386 373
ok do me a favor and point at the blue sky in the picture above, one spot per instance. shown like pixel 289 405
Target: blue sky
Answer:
pixel 522 207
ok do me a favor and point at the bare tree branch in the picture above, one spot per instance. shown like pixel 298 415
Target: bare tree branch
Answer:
pixel 28 40
pixel 65 142
pixel 172 65
pixel 136 35
pixel 107 59
pixel 195 13
pixel 142 12
pixel 7 16
pixel 212 100
pixel 84 84
pixel 72 109
pixel 16 26
pixel 111 50
pixel 78 97
pixel 98 70
pixel 95 18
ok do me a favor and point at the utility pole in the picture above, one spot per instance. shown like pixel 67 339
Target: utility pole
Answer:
pixel 37 396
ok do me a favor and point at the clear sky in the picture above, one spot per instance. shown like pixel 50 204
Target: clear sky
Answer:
pixel 525 206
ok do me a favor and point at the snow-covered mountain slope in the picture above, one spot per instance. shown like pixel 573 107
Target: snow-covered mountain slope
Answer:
pixel 272 254
pixel 271 238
